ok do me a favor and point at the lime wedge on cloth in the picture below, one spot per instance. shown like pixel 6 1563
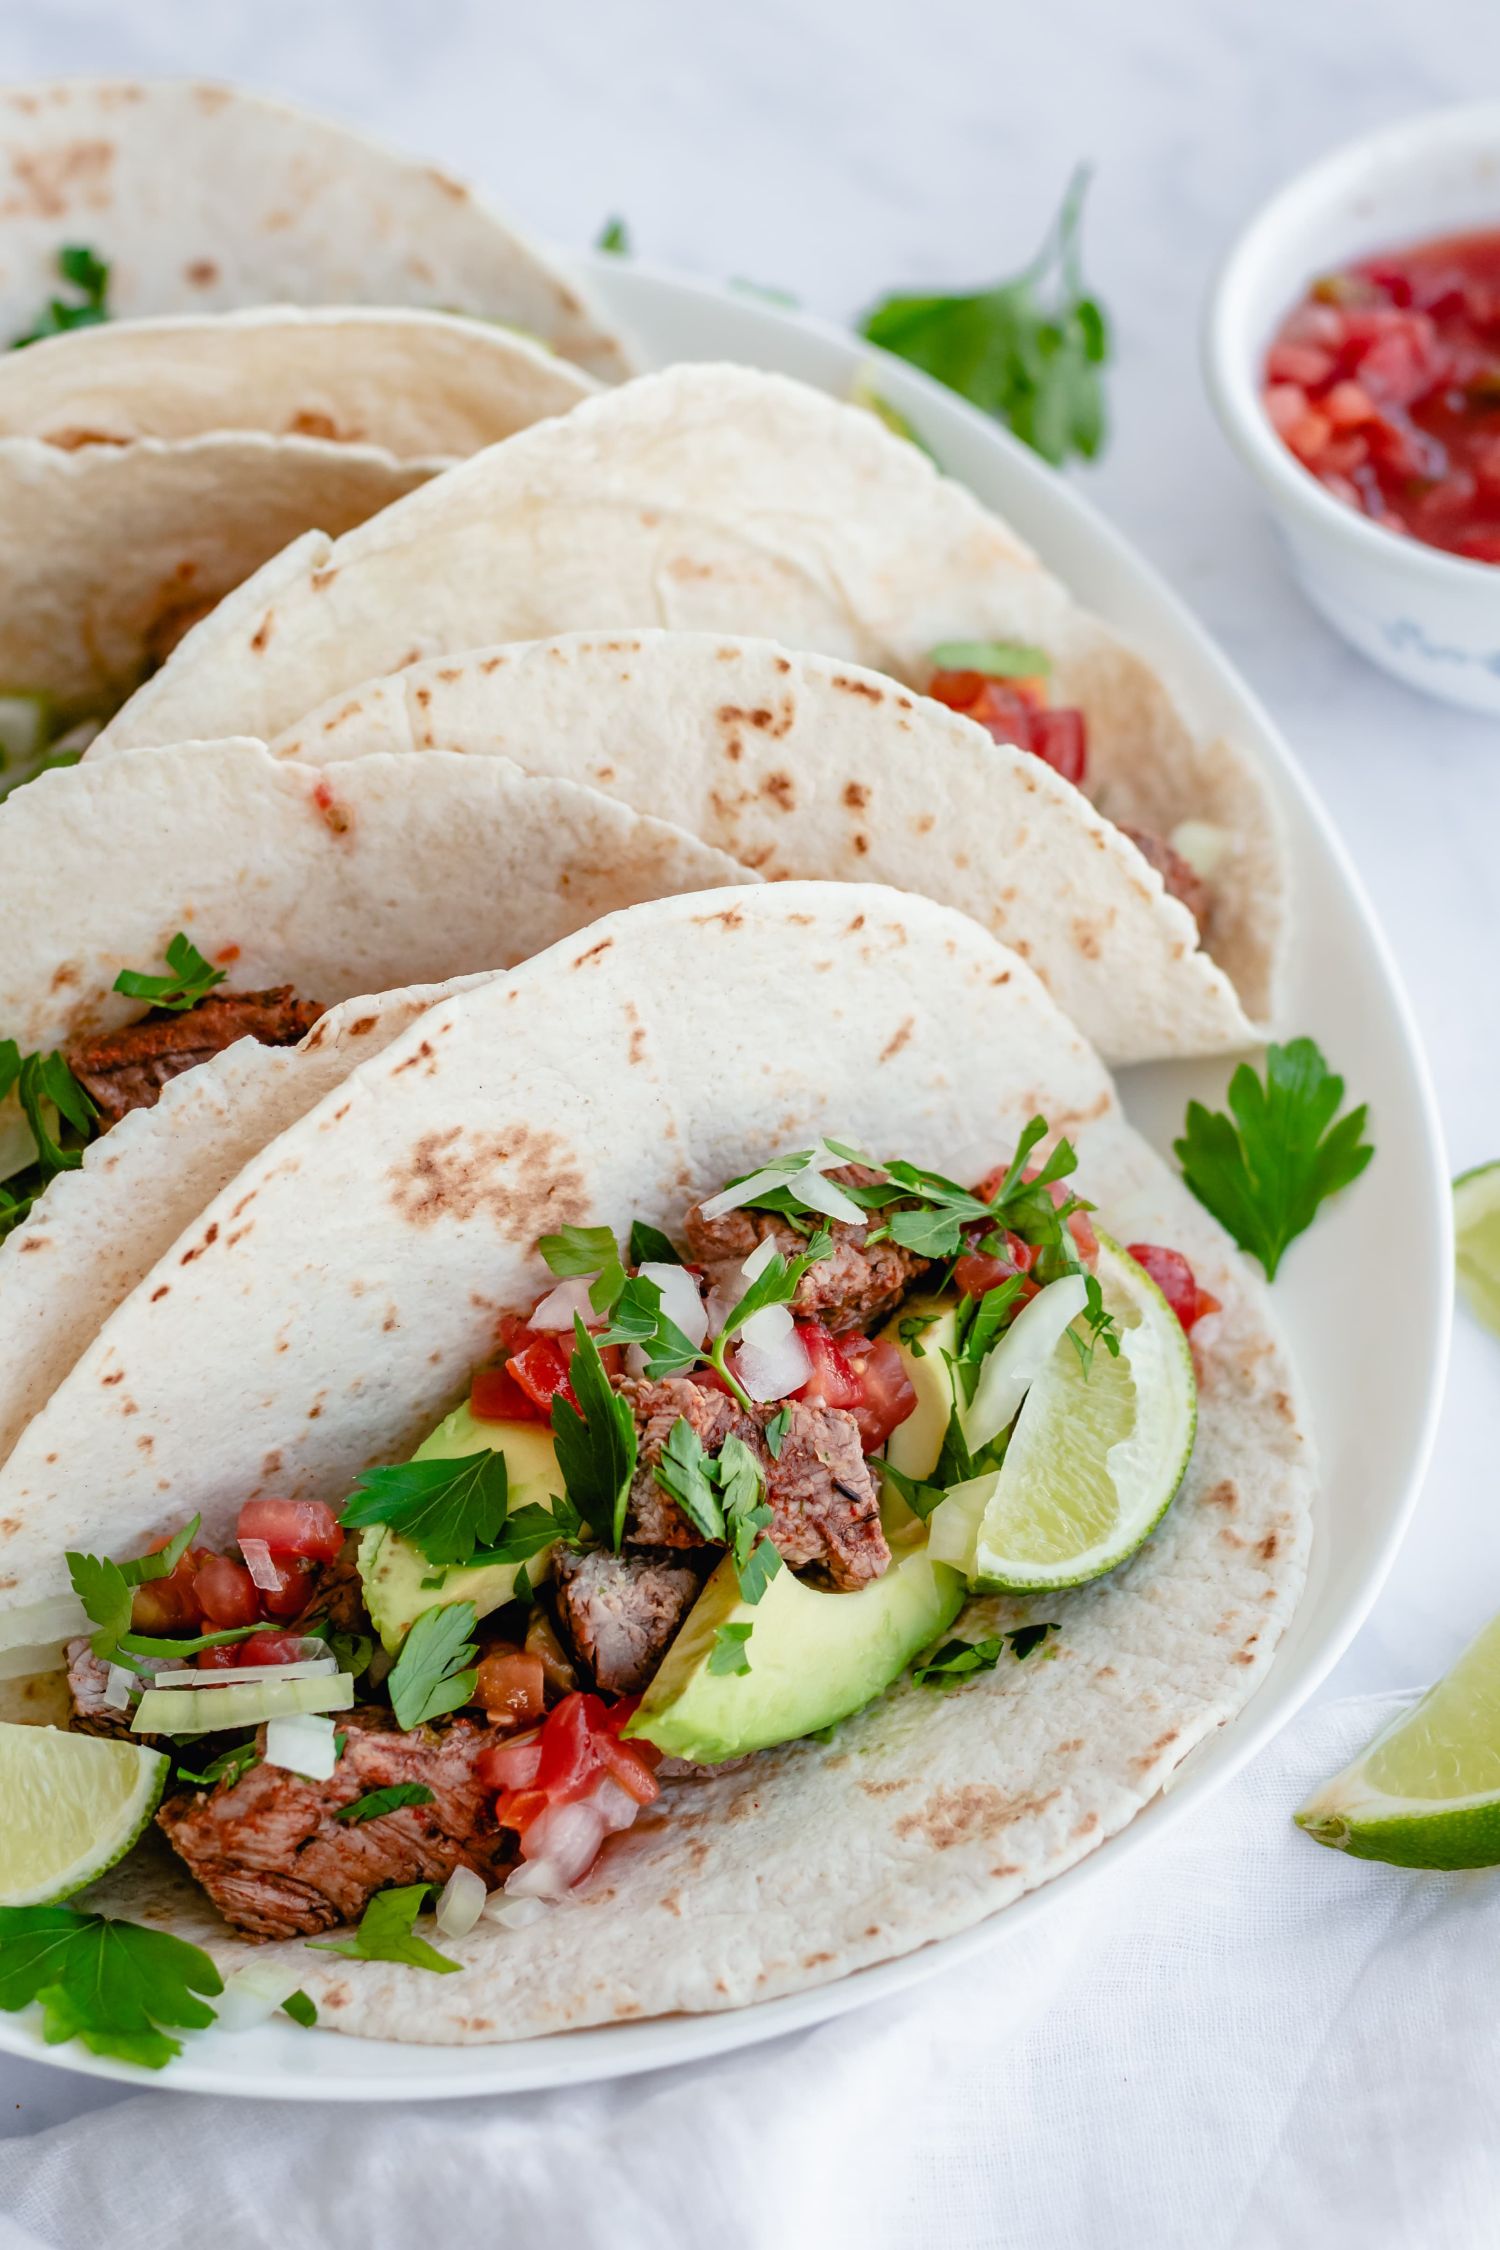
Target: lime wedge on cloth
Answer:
pixel 1427 1791
pixel 1095 1457
pixel 73 1805
pixel 1476 1221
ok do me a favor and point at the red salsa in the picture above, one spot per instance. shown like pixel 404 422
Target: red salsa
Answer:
pixel 1385 383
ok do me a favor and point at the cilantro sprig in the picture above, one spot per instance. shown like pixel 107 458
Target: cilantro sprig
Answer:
pixel 446 1509
pixel 376 1802
pixel 84 270
pixel 435 1671
pixel 959 1659
pixel 723 1496
pixel 60 1114
pixel 595 1441
pixel 385 1933
pixel 112 1985
pixel 107 1590
pixel 1027 352
pixel 189 978
pixel 1264 1169
pixel 731 1650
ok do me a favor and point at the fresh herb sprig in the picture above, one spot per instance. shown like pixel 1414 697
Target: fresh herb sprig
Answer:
pixel 112 1985
pixel 446 1509
pixel 385 1933
pixel 60 1114
pixel 1264 1169
pixel 107 1591
pixel 731 1650
pixel 376 1802
pixel 1027 352
pixel 230 1765
pixel 960 1660
pixel 595 1441
pixel 723 1496
pixel 435 1671
pixel 189 978
pixel 84 270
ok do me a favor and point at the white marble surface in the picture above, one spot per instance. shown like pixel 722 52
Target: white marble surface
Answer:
pixel 837 149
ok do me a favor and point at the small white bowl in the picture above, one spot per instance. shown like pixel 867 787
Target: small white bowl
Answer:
pixel 1430 617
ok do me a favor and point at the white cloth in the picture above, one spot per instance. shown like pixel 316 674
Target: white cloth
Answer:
pixel 1248 2043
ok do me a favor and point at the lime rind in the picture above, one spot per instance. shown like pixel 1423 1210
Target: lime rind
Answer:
pixel 75 1804
pixel 1130 1426
pixel 1476 1222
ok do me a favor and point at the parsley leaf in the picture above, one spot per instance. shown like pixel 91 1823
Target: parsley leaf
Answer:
pixel 748 1517
pixel 105 1590
pixel 596 1442
pixel 147 1644
pixel 190 978
pixel 230 1765
pixel 919 1496
pixel 1264 1170
pixel 528 1531
pixel 959 1659
pixel 110 1984
pixel 614 236
pixel 1027 352
pixel 434 1672
pixel 385 1932
pixel 730 1652
pixel 579 1251
pixel 51 1099
pixel 86 272
pixel 650 1247
pixel 445 1508
pixel 688 1475
pixel 301 2009
pixel 776 1429
pixel 374 1802
pixel 637 1318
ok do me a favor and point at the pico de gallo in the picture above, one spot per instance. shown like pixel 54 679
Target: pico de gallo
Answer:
pixel 494 1657
pixel 1385 383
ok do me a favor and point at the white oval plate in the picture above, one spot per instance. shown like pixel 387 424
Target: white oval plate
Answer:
pixel 1371 1355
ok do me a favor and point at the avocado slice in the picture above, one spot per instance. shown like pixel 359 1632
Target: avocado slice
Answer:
pixel 814 1657
pixel 393 1570
pixel 915 1444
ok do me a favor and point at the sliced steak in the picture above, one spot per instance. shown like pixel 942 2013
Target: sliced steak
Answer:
pixel 621 1612
pixel 825 1508
pixel 337 1596
pixel 1182 880
pixel 854 1287
pixel 88 1677
pixel 278 1863
pixel 127 1069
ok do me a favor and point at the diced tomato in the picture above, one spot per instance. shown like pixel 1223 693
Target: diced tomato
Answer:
pixel 978 1271
pixel 271 1648
pixel 511 1686
pixel 832 1381
pixel 1061 739
pixel 623 1762
pixel 577 1746
pixel 540 1371
pixel 293 1589
pixel 227 1594
pixel 887 1394
pixel 508 1765
pixel 1079 1226
pixel 1016 711
pixel 292 1527
pixel 222 1658
pixel 1175 1278
pixel 496 1396
pixel 170 1604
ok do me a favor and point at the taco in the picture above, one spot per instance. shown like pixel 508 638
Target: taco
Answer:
pixel 131 197
pixel 802 766
pixel 774 1406
pixel 176 932
pixel 727 500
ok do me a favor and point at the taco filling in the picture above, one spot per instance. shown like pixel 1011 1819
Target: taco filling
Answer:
pixel 713 1493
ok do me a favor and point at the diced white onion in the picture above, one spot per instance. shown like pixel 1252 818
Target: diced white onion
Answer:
pixel 560 1845
pixel 765 1329
pixel 58 1618
pixel 759 1258
pixel 614 1805
pixel 680 1300
pixel 461 1902
pixel 1014 1363
pixel 823 1195
pixel 252 1996
pixel 119 1687
pixel 953 1526
pixel 773 1374
pixel 514 1913
pixel 265 1572
pixel 1202 844
pixel 558 1307
pixel 239 1675
pixel 303 1743
pixel 744 1191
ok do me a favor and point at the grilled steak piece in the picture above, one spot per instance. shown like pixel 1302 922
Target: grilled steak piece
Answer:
pixel 1182 880
pixel 622 1611
pixel 127 1069
pixel 854 1287
pixel 278 1863
pixel 825 1508
pixel 337 1596
pixel 88 1677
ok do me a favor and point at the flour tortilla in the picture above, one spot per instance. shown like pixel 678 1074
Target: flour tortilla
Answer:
pixel 724 500
pixel 620 1075
pixel 111 552
pixel 422 385
pixel 376 876
pixel 801 766
pixel 203 198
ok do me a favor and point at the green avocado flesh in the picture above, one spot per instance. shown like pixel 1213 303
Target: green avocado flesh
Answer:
pixel 393 1570
pixel 814 1657
pixel 927 1354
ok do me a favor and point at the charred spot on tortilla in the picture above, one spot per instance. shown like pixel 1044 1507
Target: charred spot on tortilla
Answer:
pixel 526 1183
pixel 337 817
pixel 780 787
pixel 423 1054
pixel 856 795
pixel 260 638
pixel 898 1039
pixel 594 952
pixel 31 1242
pixel 866 688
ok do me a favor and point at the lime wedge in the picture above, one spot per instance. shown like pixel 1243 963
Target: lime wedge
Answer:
pixel 1426 1793
pixel 1095 1458
pixel 1476 1221
pixel 74 1804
